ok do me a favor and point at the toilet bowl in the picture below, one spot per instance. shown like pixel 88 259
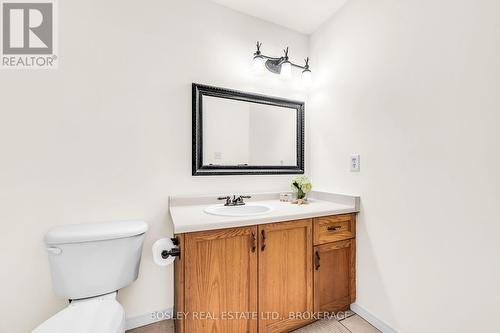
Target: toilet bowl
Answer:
pixel 97 315
pixel 89 263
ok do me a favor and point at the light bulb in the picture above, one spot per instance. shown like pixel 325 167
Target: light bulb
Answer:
pixel 258 64
pixel 286 70
pixel 306 78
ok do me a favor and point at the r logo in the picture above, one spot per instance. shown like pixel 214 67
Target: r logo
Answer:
pixel 27 28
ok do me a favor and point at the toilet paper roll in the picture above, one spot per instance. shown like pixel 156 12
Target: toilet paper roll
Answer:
pixel 163 244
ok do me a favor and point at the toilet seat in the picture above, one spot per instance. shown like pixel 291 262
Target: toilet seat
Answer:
pixel 93 315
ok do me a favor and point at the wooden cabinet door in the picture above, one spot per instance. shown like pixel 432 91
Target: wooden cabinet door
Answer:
pixel 221 281
pixel 334 276
pixel 285 275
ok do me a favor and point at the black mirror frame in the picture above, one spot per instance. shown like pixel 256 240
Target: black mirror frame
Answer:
pixel 198 169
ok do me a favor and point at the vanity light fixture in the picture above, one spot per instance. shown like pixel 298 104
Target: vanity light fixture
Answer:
pixel 282 65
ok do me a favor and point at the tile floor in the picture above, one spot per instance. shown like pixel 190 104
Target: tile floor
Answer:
pixel 356 324
pixel 353 324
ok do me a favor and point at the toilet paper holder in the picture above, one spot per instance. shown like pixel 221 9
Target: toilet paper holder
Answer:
pixel 175 252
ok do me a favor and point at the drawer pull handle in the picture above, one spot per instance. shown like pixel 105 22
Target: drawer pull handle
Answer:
pixel 317 260
pixel 332 229
pixel 263 247
pixel 254 242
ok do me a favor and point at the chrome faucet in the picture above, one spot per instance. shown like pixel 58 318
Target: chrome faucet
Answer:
pixel 234 201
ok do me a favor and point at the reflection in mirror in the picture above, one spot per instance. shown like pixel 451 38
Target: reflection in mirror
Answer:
pixel 245 133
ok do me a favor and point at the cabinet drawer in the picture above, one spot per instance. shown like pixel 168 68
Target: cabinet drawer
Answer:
pixel 334 228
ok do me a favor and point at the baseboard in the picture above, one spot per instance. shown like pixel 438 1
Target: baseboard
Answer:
pixel 148 318
pixel 377 323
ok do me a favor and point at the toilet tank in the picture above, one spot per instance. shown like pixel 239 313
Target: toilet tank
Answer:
pixel 92 259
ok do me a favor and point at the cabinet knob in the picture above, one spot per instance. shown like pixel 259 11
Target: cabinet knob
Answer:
pixel 263 246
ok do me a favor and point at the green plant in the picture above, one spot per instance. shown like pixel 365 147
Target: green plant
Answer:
pixel 301 185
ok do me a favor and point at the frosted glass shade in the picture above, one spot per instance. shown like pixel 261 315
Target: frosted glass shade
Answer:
pixel 286 70
pixel 306 78
pixel 258 65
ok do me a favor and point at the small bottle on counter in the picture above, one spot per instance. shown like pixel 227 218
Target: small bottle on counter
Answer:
pixel 286 197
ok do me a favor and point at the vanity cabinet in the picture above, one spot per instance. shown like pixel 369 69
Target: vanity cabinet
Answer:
pixel 285 274
pixel 334 263
pixel 266 272
pixel 220 280
pixel 334 276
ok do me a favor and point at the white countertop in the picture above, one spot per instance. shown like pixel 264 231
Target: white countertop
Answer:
pixel 188 213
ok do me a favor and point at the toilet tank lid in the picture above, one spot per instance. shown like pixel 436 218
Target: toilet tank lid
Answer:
pixel 89 232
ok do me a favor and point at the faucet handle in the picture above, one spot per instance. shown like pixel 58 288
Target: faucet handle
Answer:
pixel 239 199
pixel 227 198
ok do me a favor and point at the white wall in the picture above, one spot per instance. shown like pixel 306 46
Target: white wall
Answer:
pixel 108 135
pixel 413 87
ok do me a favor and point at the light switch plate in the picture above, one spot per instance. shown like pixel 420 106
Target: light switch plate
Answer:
pixel 355 167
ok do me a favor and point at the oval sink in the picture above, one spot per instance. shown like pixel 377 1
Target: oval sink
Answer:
pixel 245 210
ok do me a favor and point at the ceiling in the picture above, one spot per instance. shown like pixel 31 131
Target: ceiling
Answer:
pixel 304 16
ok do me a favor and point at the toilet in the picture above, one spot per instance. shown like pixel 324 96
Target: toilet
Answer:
pixel 89 263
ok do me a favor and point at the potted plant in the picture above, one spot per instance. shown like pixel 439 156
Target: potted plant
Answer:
pixel 301 186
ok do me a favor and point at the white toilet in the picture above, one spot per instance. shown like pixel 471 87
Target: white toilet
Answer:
pixel 89 264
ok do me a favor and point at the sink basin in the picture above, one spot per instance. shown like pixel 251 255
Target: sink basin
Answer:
pixel 245 210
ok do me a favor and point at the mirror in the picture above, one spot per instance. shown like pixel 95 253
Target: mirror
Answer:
pixel 241 133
